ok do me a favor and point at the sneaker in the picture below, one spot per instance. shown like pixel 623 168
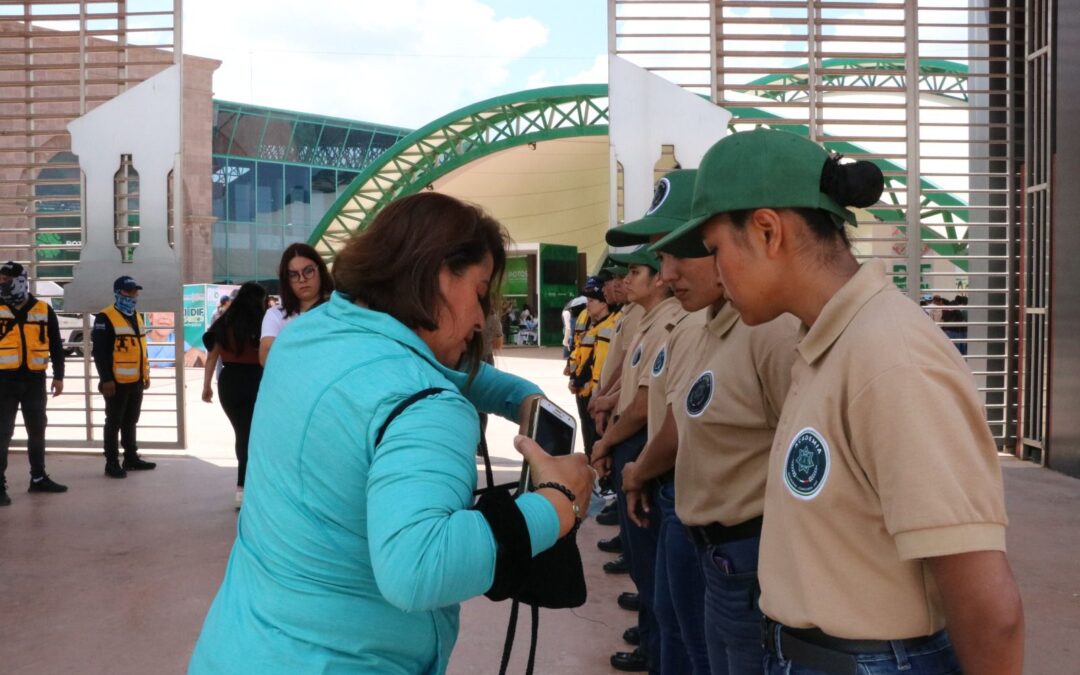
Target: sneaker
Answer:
pixel 137 463
pixel 45 484
pixel 239 497
pixel 4 499
pixel 114 470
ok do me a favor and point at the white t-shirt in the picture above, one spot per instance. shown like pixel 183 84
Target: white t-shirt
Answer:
pixel 274 320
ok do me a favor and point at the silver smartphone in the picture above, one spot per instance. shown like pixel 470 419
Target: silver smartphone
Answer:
pixel 553 430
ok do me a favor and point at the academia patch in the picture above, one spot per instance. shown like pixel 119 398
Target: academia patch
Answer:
pixel 659 361
pixel 636 359
pixel 806 465
pixel 700 394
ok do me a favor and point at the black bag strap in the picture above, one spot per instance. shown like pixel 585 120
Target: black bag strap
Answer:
pixel 400 408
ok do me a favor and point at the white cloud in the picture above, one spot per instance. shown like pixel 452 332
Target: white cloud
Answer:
pixel 403 63
pixel 597 73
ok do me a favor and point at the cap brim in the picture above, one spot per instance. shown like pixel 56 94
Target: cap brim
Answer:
pixel 684 238
pixel 616 270
pixel 641 230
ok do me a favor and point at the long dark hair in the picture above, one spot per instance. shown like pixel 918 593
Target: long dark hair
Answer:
pixel 289 302
pixel 393 266
pixel 240 327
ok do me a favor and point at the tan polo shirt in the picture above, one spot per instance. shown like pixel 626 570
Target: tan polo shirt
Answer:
pixel 726 389
pixel 639 356
pixel 626 329
pixel 682 323
pixel 882 458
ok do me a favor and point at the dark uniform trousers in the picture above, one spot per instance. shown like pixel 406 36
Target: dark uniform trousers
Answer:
pixel 29 394
pixel 121 417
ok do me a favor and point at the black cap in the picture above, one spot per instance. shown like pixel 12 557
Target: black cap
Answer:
pixel 11 269
pixel 125 283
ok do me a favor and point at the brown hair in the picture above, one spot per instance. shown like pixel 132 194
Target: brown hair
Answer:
pixel 289 302
pixel 393 266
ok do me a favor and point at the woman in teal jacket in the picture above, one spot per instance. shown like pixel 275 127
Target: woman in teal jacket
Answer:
pixel 357 539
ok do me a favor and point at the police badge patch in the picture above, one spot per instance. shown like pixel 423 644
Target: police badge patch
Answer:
pixel 636 359
pixel 660 195
pixel 806 466
pixel 700 394
pixel 659 361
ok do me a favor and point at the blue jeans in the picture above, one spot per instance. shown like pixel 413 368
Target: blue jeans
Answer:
pixel 680 593
pixel 935 657
pixel 639 547
pixel 732 618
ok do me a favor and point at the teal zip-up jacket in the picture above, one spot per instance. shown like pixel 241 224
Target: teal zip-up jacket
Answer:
pixel 351 557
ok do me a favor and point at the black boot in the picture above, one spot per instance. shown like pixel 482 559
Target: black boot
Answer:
pixel 136 463
pixel 630 662
pixel 114 470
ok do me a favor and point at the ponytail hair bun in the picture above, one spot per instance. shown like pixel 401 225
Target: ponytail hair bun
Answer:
pixel 858 184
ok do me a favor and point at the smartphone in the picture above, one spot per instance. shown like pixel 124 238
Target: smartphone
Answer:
pixel 553 430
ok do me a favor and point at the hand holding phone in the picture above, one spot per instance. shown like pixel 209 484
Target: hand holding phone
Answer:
pixel 553 430
pixel 570 471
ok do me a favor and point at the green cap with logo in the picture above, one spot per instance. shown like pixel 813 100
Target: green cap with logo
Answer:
pixel 670 209
pixel 763 168
pixel 639 256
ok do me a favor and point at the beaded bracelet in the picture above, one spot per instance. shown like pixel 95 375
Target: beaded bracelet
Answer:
pixel 573 502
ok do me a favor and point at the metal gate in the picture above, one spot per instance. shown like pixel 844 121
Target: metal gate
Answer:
pixel 924 88
pixel 58 61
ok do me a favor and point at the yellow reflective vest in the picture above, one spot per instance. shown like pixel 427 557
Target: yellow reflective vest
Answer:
pixel 130 362
pixel 593 352
pixel 25 342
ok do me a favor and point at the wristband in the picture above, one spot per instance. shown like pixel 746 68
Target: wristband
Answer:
pixel 569 495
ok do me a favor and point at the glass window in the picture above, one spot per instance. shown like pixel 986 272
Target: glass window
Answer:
pixel 343 180
pixel 241 248
pixel 240 193
pixel 296 232
pixel 218 183
pixel 356 148
pixel 297 194
pixel 323 192
pixel 276 138
pixel 330 146
pixel 305 142
pixel 380 144
pixel 268 242
pixel 220 241
pixel 249 130
pixel 223 130
pixel 269 195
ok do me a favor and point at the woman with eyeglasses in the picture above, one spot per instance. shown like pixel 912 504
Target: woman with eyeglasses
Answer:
pixel 304 282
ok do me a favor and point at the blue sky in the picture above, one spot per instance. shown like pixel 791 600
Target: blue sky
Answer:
pixel 404 62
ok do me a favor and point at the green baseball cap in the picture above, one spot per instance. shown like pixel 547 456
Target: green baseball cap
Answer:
pixel 670 209
pixel 763 168
pixel 615 269
pixel 639 256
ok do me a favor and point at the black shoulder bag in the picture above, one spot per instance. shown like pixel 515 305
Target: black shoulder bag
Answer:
pixel 553 579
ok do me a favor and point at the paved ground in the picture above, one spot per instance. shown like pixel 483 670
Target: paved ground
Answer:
pixel 116 576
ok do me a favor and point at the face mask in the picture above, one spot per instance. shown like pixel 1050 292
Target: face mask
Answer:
pixel 125 304
pixel 15 291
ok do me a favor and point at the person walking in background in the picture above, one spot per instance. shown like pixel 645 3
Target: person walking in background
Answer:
pixel 119 348
pixel 304 282
pixel 233 339
pixel 29 339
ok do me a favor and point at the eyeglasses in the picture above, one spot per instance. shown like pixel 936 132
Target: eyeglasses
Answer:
pixel 304 274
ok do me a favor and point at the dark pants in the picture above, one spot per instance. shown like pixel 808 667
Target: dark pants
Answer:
pixel 122 411
pixel 732 617
pixel 680 593
pixel 933 657
pixel 639 547
pixel 238 388
pixel 588 427
pixel 30 395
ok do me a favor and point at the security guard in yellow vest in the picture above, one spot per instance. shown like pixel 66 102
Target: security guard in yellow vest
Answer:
pixel 590 355
pixel 29 339
pixel 119 341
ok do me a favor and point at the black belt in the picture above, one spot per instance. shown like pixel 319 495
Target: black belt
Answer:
pixel 812 648
pixel 715 533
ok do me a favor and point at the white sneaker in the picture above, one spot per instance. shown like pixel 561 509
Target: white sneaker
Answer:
pixel 239 497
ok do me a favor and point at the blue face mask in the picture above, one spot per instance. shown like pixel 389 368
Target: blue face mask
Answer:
pixel 125 304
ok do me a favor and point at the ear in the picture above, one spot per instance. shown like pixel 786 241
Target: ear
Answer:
pixel 766 230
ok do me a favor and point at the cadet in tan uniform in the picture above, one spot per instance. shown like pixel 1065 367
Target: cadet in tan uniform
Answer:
pixel 624 438
pixel 626 328
pixel 882 527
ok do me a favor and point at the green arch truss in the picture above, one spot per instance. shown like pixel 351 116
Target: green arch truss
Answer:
pixel 453 141
pixel 536 115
